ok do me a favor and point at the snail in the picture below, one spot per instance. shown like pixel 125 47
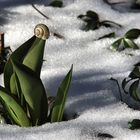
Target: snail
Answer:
pixel 42 31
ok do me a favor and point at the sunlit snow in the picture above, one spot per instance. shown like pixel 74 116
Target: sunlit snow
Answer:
pixel 92 96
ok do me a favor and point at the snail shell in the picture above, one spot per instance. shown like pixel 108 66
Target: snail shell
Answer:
pixel 42 31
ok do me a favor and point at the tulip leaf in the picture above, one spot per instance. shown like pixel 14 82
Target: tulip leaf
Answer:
pixel 132 34
pixel 123 43
pixel 56 3
pixel 34 57
pixel 14 110
pixel 93 22
pixel 30 54
pixel 91 25
pixel 124 83
pixel 91 19
pixel 117 45
pixel 135 73
pixel 105 136
pixel 130 44
pixel 92 15
pixel 108 23
pixel 81 16
pixel 107 36
pixel 127 40
pixel 13 86
pixel 133 90
pixel 33 91
pixel 19 55
pixel 58 109
pixel 16 89
pixel 134 124
pixel 137 64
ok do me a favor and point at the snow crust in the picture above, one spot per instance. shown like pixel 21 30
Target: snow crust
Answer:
pixel 92 95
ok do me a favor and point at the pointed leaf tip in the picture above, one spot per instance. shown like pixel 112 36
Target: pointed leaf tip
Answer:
pixel 14 110
pixel 132 34
pixel 58 109
pixel 133 90
pixel 130 44
pixel 33 90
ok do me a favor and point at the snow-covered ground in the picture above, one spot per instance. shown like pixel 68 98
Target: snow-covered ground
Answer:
pixel 92 95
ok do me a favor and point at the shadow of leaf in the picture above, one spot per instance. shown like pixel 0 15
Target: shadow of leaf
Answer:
pixel 5 16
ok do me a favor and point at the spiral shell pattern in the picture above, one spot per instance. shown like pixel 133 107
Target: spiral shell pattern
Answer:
pixel 42 31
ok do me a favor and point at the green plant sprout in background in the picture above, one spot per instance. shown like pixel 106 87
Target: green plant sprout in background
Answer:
pixel 93 22
pixel 109 35
pixel 127 41
pixel 133 81
pixel 24 99
pixel 130 86
pixel 56 3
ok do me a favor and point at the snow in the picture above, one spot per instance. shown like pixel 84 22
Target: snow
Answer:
pixel 123 5
pixel 92 95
